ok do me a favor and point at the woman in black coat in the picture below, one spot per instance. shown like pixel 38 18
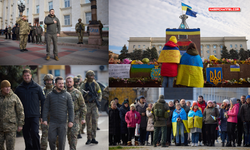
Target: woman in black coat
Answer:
pixel 114 124
pixel 124 130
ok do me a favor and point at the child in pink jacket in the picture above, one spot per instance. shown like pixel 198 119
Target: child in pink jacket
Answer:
pixel 132 117
pixel 232 121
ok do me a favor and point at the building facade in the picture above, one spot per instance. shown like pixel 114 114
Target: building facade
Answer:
pixel 67 11
pixel 209 45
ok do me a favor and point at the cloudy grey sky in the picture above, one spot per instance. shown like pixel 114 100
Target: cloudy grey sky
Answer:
pixel 150 18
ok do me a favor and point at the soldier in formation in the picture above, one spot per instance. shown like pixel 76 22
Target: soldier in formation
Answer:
pixel 80 31
pixel 24 31
pixel 33 28
pixel 11 116
pixel 39 32
pixel 92 96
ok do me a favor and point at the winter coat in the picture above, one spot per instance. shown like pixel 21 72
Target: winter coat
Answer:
pixel 114 121
pixel 52 28
pixel 132 117
pixel 150 125
pixel 169 69
pixel 223 119
pixel 141 108
pixel 39 30
pixel 203 105
pixel 31 96
pixel 207 115
pixel 123 111
pixel 232 114
pixel 245 112
pixel 59 105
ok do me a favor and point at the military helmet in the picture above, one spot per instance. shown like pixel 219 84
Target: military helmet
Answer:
pixel 90 72
pixel 76 79
pixel 79 76
pixel 79 19
pixel 48 77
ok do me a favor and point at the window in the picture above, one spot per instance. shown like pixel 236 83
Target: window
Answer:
pixel 88 16
pixel 50 5
pixel 221 46
pixel 231 46
pixel 201 46
pixel 208 51
pixel 207 46
pixel 235 45
pixel 66 20
pixel 215 51
pixel 37 9
pixel 27 11
pixel 87 1
pixel 67 3
pixel 133 46
pixel 139 46
pixel 214 46
pixel 57 73
pixel 143 46
pixel 240 45
pixel 96 77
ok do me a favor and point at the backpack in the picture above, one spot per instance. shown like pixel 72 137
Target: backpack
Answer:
pixel 159 110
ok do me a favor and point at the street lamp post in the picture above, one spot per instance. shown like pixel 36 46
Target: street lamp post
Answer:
pixel 21 6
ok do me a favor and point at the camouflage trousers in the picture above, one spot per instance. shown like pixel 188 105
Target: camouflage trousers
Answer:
pixel 23 41
pixel 82 127
pixel 73 132
pixel 91 120
pixel 80 36
pixel 10 138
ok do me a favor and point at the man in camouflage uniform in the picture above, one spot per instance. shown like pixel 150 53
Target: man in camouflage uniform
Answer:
pixel 79 111
pixel 17 32
pixel 48 81
pixel 92 99
pixel 23 31
pixel 39 32
pixel 45 30
pixel 76 83
pixel 34 33
pixel 80 31
pixel 11 116
pixel 82 126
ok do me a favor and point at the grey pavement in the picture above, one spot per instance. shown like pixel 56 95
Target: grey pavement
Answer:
pixel 101 137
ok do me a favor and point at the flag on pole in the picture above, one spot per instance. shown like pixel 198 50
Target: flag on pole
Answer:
pixel 184 6
pixel 191 13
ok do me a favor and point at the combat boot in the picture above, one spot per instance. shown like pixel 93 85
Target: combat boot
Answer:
pixel 22 50
pixel 88 142
pixel 79 136
pixel 94 141
pixel 129 143
pixel 47 57
pixel 56 58
pixel 136 143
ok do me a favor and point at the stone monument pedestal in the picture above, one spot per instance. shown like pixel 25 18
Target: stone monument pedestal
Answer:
pixel 94 35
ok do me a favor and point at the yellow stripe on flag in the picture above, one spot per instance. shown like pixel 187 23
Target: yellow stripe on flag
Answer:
pixel 182 33
pixel 235 69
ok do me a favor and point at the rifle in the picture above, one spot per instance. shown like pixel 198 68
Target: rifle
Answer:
pixel 93 95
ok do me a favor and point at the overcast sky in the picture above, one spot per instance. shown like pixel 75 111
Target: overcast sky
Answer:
pixel 150 18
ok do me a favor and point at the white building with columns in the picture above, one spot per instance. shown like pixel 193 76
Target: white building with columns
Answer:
pixel 67 11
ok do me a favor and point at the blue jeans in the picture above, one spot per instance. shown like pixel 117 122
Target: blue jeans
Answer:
pixel 180 126
pixel 195 137
pixel 168 81
pixel 224 136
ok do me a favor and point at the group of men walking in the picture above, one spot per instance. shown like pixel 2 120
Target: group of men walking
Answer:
pixel 60 110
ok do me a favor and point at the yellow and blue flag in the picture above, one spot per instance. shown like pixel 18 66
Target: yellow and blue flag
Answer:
pixel 170 53
pixel 185 6
pixel 190 71
pixel 182 31
pixel 195 119
pixel 191 13
pixel 234 68
pixel 183 117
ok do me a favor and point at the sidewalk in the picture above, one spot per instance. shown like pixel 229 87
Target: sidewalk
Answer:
pixel 69 53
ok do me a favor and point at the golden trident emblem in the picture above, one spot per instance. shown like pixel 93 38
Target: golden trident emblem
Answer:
pixel 215 78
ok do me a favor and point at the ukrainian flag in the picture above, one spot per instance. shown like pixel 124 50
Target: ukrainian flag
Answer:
pixel 190 71
pixel 182 31
pixel 195 122
pixel 183 117
pixel 185 6
pixel 234 68
pixel 169 55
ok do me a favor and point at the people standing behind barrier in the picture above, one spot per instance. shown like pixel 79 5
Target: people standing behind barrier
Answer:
pixel 245 117
pixel 150 125
pixel 132 118
pixel 223 121
pixel 114 124
pixel 195 123
pixel 124 130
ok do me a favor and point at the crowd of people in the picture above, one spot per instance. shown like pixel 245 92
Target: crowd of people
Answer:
pixel 180 122
pixel 60 108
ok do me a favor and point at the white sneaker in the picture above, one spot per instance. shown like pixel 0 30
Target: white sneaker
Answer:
pixel 196 144
pixel 192 144
pixel 200 143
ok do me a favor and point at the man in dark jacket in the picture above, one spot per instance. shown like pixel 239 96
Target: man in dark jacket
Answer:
pixel 30 34
pixel 202 105
pixel 53 31
pixel 59 106
pixel 124 130
pixel 240 123
pixel 245 117
pixel 141 107
pixel 6 32
pixel 117 103
pixel 14 32
pixel 169 122
pixel 114 124
pixel 186 108
pixel 39 32
pixel 31 95
pixel 160 109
